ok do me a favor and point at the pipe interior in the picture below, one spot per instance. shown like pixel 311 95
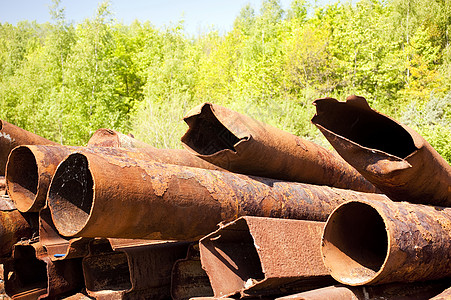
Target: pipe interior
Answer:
pixel 30 273
pixel 366 128
pixel 22 177
pixel 355 243
pixel 207 135
pixel 71 195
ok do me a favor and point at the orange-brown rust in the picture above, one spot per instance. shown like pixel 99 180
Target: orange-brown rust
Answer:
pixel 163 201
pixel 374 242
pixel 392 291
pixel 111 138
pixel 256 256
pixel 31 167
pixel 13 228
pixel 12 136
pixel 394 157
pixel 241 144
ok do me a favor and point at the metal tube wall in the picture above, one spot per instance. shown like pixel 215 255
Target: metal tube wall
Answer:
pixel 374 242
pixel 13 228
pixel 394 157
pixel 255 256
pixel 30 168
pixel 111 138
pixel 12 136
pixel 162 201
pixel 241 144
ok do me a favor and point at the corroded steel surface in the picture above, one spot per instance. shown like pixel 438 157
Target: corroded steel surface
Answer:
pixel 31 167
pixel 131 269
pixel 394 157
pixel 32 275
pixel 188 279
pixel 392 291
pixel 111 138
pixel 244 145
pixel 12 136
pixel 162 201
pixel 374 242
pixel 13 228
pixel 264 256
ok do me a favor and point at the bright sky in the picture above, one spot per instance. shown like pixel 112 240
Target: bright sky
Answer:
pixel 199 15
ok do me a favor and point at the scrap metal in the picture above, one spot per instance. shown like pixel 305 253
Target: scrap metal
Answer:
pixel 374 242
pixel 394 157
pixel 151 200
pixel 256 256
pixel 244 145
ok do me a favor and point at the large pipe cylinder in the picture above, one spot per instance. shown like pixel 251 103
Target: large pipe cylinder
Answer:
pixel 12 136
pixel 95 195
pixel 374 242
pixel 241 144
pixel 394 157
pixel 111 138
pixel 13 228
pixel 31 167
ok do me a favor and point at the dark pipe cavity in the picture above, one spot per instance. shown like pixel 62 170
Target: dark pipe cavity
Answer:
pixel 365 127
pixel 22 177
pixel 207 135
pixel 357 241
pixel 71 194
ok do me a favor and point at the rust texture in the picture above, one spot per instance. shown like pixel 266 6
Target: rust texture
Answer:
pixel 391 291
pixel 374 242
pixel 163 201
pixel 264 256
pixel 111 138
pixel 31 167
pixel 12 136
pixel 130 269
pixel 32 275
pixel 188 279
pixel 394 157
pixel 244 145
pixel 13 228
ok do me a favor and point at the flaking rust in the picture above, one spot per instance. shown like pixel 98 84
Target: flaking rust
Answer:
pixel 163 201
pixel 12 136
pixel 256 256
pixel 244 145
pixel 374 242
pixel 394 157
pixel 31 167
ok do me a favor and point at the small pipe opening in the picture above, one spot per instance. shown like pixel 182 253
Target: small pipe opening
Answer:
pixel 71 195
pixel 207 135
pixel 355 243
pixel 22 178
pixel 364 127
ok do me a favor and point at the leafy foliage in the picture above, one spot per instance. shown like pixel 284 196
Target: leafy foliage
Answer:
pixel 64 81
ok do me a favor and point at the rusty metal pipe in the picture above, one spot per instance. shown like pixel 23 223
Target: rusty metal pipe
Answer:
pixel 241 144
pixel 13 228
pixel 255 256
pixel 12 136
pixel 32 275
pixel 394 157
pixel 391 291
pixel 162 201
pixel 111 138
pixel 131 269
pixel 374 242
pixel 31 167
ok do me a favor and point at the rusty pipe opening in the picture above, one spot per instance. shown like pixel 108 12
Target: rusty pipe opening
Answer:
pixel 70 195
pixel 364 126
pixel 22 178
pixel 207 135
pixel 355 243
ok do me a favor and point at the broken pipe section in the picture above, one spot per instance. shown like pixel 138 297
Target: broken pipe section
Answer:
pixel 374 242
pixel 162 201
pixel 244 145
pixel 255 256
pixel 394 157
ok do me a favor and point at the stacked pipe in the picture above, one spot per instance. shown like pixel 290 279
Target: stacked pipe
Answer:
pixel 120 219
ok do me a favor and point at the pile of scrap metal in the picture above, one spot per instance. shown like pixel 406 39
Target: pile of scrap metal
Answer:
pixel 246 211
